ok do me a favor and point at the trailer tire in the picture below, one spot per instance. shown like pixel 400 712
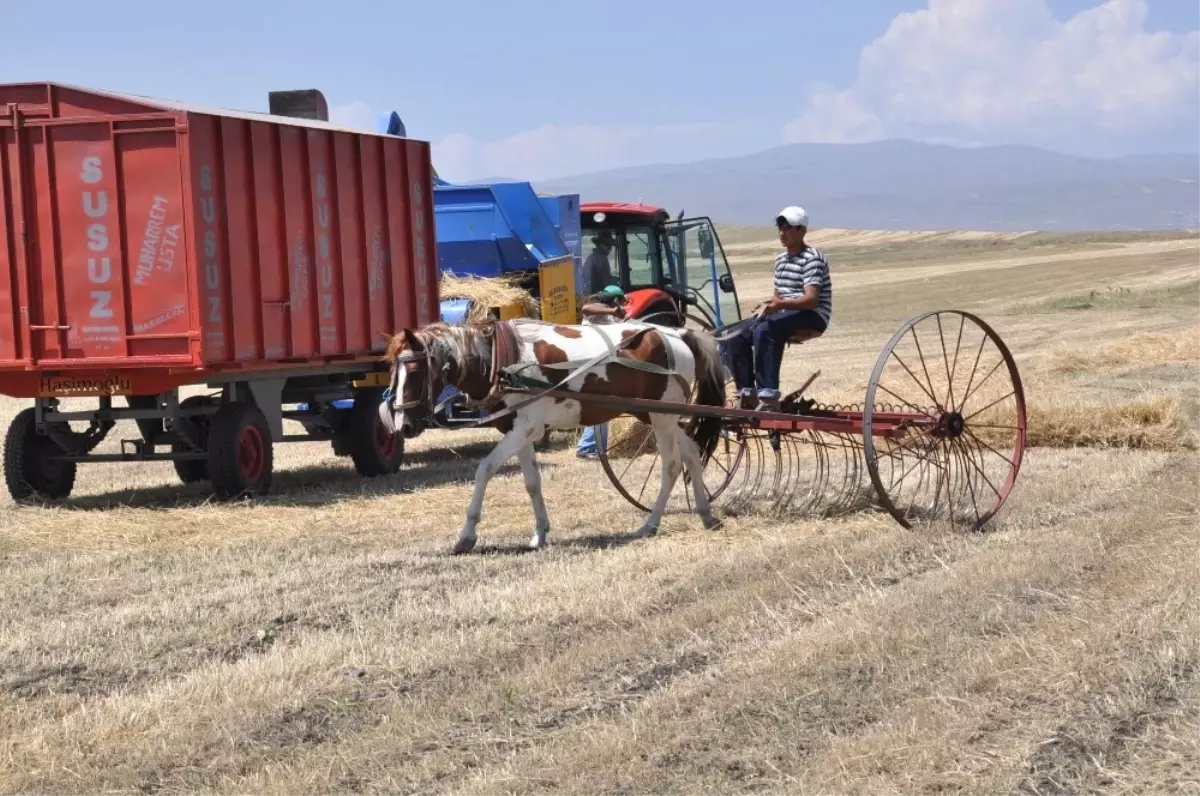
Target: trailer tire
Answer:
pixel 191 471
pixel 373 451
pixel 240 452
pixel 28 472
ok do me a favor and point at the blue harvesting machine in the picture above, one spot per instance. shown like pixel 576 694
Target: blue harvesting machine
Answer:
pixel 501 229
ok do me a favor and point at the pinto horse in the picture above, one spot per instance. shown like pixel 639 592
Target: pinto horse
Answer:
pixel 627 360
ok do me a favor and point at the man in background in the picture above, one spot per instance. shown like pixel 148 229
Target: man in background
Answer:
pixel 596 269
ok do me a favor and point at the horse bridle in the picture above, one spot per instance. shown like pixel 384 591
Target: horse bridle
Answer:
pixel 400 362
pixel 428 398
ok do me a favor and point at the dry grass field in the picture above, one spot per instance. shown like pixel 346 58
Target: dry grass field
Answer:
pixel 323 640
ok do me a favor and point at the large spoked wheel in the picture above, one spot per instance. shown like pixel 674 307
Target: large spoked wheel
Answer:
pixel 373 449
pixel 952 371
pixel 633 464
pixel 30 469
pixel 240 452
pixel 631 459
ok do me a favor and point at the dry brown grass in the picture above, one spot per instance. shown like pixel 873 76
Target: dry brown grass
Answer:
pixel 322 640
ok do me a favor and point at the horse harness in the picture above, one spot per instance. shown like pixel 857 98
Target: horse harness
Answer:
pixel 506 371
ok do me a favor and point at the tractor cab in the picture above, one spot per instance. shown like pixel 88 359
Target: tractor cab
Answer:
pixel 671 270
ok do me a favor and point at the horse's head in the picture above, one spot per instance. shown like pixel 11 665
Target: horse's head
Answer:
pixel 410 394
pixel 423 364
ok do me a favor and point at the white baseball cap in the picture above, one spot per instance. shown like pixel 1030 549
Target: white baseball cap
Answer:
pixel 796 216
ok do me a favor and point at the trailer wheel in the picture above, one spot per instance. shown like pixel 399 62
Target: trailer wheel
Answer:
pixel 240 452
pixel 28 470
pixel 191 471
pixel 373 450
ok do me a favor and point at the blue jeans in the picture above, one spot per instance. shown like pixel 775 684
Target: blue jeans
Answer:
pixel 756 354
pixel 587 440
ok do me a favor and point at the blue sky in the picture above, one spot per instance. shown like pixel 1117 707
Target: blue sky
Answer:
pixel 535 89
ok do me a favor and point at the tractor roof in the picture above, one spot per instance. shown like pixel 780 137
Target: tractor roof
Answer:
pixel 622 213
pixel 620 207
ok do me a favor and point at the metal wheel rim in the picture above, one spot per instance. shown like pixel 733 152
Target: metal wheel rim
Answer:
pixel 251 456
pixel 738 440
pixel 1020 416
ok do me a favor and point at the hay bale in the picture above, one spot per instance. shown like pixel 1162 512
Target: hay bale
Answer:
pixel 625 437
pixel 486 293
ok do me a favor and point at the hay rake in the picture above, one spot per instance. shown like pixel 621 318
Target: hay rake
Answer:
pixel 938 439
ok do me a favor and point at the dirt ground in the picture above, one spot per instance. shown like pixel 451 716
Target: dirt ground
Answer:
pixel 323 641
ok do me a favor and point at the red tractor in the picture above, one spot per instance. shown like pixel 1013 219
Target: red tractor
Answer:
pixel 672 271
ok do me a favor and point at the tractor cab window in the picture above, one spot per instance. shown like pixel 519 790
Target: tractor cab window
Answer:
pixel 644 257
pixel 697 253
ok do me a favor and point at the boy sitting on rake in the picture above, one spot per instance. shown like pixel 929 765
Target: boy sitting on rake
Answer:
pixel 803 300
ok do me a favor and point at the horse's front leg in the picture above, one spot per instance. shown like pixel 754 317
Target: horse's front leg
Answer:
pixel 533 485
pixel 509 445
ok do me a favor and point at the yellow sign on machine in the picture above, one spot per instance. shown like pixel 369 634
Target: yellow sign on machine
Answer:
pixel 556 283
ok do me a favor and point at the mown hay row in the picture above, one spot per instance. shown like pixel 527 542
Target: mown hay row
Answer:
pixel 1155 422
pixel 1148 348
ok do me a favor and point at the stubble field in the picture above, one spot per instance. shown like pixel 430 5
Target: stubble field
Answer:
pixel 323 641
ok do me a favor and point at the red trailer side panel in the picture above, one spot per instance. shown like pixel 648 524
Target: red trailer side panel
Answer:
pixel 144 235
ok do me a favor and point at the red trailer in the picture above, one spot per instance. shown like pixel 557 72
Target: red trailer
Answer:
pixel 148 245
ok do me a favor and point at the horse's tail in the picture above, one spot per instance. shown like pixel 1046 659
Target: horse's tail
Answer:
pixel 710 389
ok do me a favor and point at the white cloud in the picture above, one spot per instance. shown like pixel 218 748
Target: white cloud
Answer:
pixel 356 115
pixel 1008 69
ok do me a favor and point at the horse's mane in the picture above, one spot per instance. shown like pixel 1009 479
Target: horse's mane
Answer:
pixel 442 340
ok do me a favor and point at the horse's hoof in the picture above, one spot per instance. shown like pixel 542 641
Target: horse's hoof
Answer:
pixel 537 542
pixel 645 532
pixel 711 523
pixel 464 545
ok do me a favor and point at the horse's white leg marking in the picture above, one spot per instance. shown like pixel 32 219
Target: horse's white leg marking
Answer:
pixel 665 440
pixel 533 485
pixel 689 452
pixel 509 445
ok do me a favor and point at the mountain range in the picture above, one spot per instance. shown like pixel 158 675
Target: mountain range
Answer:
pixel 900 184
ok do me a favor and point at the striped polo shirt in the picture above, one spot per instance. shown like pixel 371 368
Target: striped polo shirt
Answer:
pixel 795 272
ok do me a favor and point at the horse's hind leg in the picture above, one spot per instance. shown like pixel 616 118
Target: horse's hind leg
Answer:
pixel 664 426
pixel 689 452
pixel 533 485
